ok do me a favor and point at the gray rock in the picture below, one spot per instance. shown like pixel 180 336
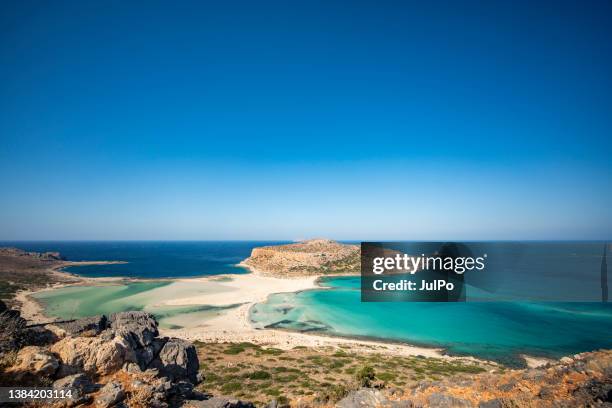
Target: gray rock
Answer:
pixel 438 399
pixel 145 355
pixel 132 368
pixel 178 360
pixel 110 394
pixel 218 402
pixel 93 325
pixel 80 386
pixel 362 398
pixel 78 382
pixel 139 327
pixel 494 403
pixel 183 389
pixel 401 404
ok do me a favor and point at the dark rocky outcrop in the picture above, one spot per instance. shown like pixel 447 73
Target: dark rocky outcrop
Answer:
pixel 177 360
pixel 110 395
pixel 12 329
pixel 88 325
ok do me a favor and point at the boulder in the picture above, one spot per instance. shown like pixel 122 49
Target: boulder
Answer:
pixel 145 355
pixel 111 394
pixel 140 328
pixel 362 398
pixel 438 399
pixel 76 381
pixel 80 385
pixel 94 355
pixel 36 361
pixel 178 360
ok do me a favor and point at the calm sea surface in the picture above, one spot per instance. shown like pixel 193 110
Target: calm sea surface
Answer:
pixel 151 259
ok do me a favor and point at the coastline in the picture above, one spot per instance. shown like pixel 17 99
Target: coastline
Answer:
pixel 234 325
pixel 33 311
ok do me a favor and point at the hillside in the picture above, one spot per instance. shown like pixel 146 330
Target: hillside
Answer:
pixel 313 257
pixel 20 270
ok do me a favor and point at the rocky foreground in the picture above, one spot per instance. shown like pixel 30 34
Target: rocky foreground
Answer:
pixel 119 360
pixel 313 257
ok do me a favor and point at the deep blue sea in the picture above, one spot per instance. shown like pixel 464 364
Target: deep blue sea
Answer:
pixel 151 259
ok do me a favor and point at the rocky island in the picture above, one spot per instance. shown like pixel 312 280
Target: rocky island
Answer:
pixel 306 258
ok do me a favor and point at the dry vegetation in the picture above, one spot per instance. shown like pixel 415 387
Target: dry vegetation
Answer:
pixel 313 257
pixel 254 373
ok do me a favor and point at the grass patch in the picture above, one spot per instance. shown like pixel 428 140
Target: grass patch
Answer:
pixel 259 375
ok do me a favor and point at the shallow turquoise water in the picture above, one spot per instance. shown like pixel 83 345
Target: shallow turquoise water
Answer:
pixel 493 330
pixel 82 301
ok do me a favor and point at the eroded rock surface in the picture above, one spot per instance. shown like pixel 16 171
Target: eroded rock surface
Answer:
pixel 35 360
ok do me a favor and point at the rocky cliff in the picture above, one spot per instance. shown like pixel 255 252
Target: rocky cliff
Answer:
pixel 313 257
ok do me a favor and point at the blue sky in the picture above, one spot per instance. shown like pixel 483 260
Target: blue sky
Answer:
pixel 287 120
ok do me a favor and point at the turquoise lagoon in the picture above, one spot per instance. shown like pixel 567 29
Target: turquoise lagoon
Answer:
pixel 499 331
pixel 82 301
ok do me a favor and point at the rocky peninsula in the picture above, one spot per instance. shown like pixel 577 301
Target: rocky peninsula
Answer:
pixel 24 271
pixel 306 258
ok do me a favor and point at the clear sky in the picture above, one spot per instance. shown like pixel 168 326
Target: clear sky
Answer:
pixel 295 119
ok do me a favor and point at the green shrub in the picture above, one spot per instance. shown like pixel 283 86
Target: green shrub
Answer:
pixel 259 375
pixel 333 393
pixel 365 375
pixel 386 376
pixel 231 387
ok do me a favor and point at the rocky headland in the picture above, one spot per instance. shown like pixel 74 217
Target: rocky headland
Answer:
pixel 22 271
pixel 306 258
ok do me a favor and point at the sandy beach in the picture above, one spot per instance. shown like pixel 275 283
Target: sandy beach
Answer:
pixel 234 325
